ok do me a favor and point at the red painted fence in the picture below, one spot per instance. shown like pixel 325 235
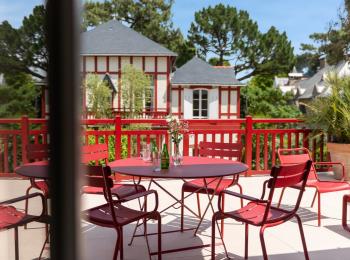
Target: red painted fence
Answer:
pixel 125 137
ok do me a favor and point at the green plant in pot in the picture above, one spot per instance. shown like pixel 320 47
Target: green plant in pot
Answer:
pixel 331 114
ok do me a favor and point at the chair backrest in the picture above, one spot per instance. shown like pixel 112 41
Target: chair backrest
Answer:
pixel 100 177
pixel 295 156
pixel 37 152
pixel 286 176
pixel 94 152
pixel 212 149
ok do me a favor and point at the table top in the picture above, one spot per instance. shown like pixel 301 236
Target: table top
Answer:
pixel 38 170
pixel 192 168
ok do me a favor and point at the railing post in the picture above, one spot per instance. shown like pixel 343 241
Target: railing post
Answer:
pixel 248 142
pixel 118 137
pixel 25 137
pixel 186 141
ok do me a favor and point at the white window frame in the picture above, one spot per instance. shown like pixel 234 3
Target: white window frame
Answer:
pixel 200 103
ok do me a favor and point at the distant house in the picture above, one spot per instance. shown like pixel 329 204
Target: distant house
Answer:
pixel 199 90
pixel 288 84
pixel 107 48
pixel 306 89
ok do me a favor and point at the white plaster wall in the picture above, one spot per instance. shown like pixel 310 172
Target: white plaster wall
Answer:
pixel 113 64
pixel 174 101
pixel 213 95
pixel 124 61
pixel 81 64
pixel 137 62
pixel 188 103
pixel 149 64
pixel 162 64
pixel 101 64
pixel 224 101
pixel 90 64
pixel 233 102
pixel 161 92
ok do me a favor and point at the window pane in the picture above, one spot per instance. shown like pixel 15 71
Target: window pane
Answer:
pixel 204 113
pixel 195 112
pixel 204 94
pixel 195 104
pixel 196 94
pixel 204 104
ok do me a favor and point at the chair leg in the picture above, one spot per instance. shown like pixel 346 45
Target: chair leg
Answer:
pixel 246 241
pixel 241 192
pixel 280 199
pixel 223 209
pixel 346 199
pixel 182 210
pixel 319 208
pixel 213 222
pixel 16 244
pixel 199 205
pixel 121 246
pixel 159 237
pixel 314 199
pixel 26 203
pixel 262 241
pixel 117 245
pixel 306 254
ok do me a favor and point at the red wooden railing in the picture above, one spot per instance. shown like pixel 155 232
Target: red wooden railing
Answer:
pixel 261 138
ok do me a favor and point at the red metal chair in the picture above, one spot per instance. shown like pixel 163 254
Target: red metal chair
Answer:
pixel 259 212
pixel 346 200
pixel 38 152
pixel 211 149
pixel 11 217
pixel 113 214
pixel 99 154
pixel 299 155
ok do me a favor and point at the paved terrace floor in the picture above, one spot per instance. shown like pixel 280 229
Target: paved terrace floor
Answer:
pixel 329 241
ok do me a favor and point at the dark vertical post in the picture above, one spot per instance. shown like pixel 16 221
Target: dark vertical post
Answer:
pixel 63 45
pixel 118 137
pixel 24 137
pixel 249 142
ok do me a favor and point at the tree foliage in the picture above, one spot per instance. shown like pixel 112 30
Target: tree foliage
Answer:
pixel 260 99
pixel 24 49
pixel 99 96
pixel 334 44
pixel 18 96
pixel 230 34
pixel 136 89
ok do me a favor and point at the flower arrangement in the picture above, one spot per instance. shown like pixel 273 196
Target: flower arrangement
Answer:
pixel 176 128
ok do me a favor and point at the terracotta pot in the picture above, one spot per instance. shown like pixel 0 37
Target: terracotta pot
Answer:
pixel 340 153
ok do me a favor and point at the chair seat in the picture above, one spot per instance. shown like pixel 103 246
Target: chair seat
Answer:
pixel 328 186
pixel 119 190
pixel 10 216
pixel 42 185
pixel 102 216
pixel 197 184
pixel 253 213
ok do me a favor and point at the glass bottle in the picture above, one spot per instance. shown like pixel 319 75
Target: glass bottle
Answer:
pixel 164 164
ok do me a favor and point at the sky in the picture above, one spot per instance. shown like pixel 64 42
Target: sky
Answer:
pixel 298 18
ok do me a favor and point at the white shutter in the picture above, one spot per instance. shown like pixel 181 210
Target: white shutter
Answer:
pixel 213 99
pixel 188 103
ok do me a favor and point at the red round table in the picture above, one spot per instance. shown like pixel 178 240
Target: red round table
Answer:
pixel 209 169
pixel 36 170
pixel 192 168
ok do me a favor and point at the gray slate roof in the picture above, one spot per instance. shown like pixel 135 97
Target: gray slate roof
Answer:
pixel 317 80
pixel 114 38
pixel 198 72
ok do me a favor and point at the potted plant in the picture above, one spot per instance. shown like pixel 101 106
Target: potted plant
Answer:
pixel 331 114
